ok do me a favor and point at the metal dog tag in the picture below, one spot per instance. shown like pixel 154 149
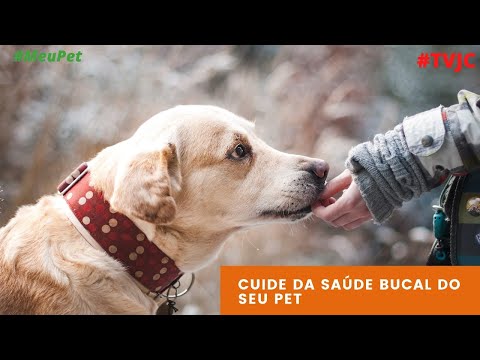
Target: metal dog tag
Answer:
pixel 167 308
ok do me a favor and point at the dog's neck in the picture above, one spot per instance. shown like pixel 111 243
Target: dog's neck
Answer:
pixel 103 169
pixel 191 247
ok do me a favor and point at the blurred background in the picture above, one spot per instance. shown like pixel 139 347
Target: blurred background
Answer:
pixel 312 100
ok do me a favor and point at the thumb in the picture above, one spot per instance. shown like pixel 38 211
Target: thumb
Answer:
pixel 337 184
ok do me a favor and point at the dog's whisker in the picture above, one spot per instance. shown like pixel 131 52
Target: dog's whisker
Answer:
pixel 256 248
pixel 290 227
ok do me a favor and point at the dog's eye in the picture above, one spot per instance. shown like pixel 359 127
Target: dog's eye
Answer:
pixel 239 152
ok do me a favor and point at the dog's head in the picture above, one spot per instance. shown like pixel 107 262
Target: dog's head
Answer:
pixel 204 164
pixel 203 167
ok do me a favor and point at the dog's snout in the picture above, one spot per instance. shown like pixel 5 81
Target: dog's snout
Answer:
pixel 319 168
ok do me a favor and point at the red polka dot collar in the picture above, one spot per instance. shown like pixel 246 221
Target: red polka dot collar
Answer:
pixel 116 233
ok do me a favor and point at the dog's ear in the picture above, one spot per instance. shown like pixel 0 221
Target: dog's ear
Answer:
pixel 144 185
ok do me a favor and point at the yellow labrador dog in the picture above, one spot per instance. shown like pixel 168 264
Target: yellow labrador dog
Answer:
pixel 186 180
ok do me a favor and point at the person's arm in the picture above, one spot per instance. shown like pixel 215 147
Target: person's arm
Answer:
pixel 413 158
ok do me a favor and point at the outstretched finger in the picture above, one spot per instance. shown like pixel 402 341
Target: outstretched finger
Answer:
pixel 337 184
pixel 324 202
pixel 329 213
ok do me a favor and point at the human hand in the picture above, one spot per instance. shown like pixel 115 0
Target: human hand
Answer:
pixel 349 210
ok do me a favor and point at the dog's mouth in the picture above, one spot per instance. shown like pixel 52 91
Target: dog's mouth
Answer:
pixel 292 215
pixel 292 211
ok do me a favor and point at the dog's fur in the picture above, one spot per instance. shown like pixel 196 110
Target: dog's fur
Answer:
pixel 179 180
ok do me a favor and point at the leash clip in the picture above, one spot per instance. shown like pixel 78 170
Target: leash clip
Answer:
pixel 168 308
pixel 176 285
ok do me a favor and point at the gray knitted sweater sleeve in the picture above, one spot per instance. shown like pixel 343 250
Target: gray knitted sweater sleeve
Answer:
pixel 417 155
pixel 386 173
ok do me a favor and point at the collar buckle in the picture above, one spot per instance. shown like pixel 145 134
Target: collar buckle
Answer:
pixel 72 179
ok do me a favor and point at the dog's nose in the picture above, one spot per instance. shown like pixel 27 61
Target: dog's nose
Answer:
pixel 319 168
